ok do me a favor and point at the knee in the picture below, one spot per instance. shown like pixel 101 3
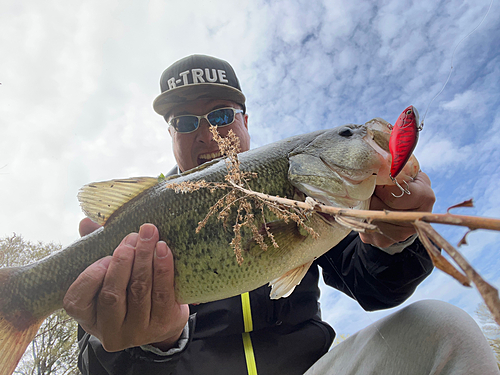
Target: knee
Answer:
pixel 440 318
pixel 435 311
pixel 449 335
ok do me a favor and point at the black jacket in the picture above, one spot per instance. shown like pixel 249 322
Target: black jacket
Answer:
pixel 288 334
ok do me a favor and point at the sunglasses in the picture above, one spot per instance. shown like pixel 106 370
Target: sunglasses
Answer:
pixel 218 117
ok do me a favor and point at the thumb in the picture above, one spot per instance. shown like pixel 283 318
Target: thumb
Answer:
pixel 87 226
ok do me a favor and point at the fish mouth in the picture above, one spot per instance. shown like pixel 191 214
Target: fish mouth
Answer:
pixel 352 176
pixel 208 156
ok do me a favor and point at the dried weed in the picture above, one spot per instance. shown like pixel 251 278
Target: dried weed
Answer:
pixel 240 197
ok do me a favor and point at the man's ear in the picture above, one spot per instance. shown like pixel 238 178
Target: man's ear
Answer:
pixel 170 131
pixel 245 120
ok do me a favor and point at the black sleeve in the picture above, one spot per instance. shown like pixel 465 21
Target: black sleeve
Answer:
pixel 94 360
pixel 375 279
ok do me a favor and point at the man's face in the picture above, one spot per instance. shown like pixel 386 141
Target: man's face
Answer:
pixel 198 147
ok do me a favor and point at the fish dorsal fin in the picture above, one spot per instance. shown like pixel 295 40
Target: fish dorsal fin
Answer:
pixel 100 199
pixel 284 285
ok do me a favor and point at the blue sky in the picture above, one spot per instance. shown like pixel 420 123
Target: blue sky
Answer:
pixel 79 78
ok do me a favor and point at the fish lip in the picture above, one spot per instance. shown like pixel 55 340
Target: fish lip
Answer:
pixel 358 177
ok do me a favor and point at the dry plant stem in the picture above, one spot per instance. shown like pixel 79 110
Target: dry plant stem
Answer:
pixel 356 225
pixel 473 222
pixel 467 203
pixel 488 292
pixel 440 261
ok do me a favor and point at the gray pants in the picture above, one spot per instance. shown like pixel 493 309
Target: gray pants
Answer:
pixel 427 337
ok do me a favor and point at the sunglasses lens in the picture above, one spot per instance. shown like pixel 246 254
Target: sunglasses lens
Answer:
pixel 221 117
pixel 188 124
pixel 185 124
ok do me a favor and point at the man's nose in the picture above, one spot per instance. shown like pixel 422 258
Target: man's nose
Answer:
pixel 204 134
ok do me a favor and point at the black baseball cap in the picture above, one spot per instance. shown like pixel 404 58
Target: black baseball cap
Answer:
pixel 197 77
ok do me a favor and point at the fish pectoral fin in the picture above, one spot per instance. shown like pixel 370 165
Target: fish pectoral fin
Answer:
pixel 99 200
pixel 284 285
pixel 284 234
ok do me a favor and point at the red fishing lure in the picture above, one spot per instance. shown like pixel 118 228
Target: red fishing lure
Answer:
pixel 404 137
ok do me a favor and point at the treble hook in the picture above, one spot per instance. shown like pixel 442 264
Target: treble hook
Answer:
pixel 403 190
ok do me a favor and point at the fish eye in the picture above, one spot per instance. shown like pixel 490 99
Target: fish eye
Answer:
pixel 346 132
pixel 408 112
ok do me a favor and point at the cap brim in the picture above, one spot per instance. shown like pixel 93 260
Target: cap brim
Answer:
pixel 171 98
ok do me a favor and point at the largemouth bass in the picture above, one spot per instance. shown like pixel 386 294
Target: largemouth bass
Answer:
pixel 338 167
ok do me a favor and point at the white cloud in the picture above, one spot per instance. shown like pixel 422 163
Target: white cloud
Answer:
pixel 438 154
pixel 469 101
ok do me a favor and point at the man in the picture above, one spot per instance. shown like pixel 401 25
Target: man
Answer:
pixel 131 324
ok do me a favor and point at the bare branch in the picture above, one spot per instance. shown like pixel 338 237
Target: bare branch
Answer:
pixel 467 203
pixel 438 260
pixel 488 292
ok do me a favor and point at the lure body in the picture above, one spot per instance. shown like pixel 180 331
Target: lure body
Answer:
pixel 404 137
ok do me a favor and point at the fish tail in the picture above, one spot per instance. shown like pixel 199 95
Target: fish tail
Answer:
pixel 16 332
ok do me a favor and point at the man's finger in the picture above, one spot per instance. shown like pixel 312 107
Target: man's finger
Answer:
pixel 112 300
pixel 79 300
pixel 141 279
pixel 162 294
pixel 166 313
pixel 391 234
pixel 420 198
pixel 87 226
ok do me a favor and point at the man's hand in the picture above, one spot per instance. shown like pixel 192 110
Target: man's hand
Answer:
pixel 128 299
pixel 421 199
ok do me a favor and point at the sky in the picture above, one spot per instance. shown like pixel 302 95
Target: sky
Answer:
pixel 78 80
